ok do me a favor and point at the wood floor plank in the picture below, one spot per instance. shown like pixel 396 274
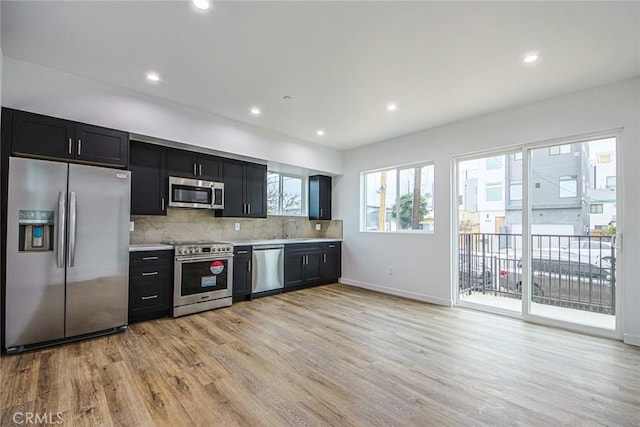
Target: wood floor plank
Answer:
pixel 330 356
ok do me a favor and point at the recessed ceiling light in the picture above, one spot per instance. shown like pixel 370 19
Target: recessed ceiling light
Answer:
pixel 531 57
pixel 256 111
pixel 202 4
pixel 392 107
pixel 154 77
pixel 319 132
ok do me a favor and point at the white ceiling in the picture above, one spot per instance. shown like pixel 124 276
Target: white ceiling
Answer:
pixel 341 62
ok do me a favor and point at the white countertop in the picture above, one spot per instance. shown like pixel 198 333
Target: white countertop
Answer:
pixel 149 247
pixel 256 242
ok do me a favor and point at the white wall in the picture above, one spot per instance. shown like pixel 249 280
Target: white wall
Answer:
pixel 43 90
pixel 422 264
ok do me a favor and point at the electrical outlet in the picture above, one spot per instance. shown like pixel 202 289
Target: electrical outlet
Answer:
pixel 237 227
pixel 131 225
pixel 390 271
pixel 318 227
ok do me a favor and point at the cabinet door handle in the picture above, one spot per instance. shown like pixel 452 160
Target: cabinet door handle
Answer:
pixel 153 273
pixel 79 147
pixel 324 258
pixel 249 266
pixel 332 246
pixel 149 297
pixel 149 258
pixel 244 208
pixel 320 212
pixel 200 169
pixel 194 170
pixel 242 252
pixel 163 204
pixel 249 208
pixel 70 143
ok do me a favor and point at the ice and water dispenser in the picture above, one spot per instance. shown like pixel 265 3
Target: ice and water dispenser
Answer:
pixel 36 231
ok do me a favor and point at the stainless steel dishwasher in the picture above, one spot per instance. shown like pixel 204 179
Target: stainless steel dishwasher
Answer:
pixel 268 268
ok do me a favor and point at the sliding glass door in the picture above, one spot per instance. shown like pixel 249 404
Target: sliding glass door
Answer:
pixel 572 220
pixel 536 233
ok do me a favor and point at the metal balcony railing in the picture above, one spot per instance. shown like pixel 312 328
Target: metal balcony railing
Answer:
pixel 568 271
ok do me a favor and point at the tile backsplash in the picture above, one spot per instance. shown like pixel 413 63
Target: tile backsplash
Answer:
pixel 200 224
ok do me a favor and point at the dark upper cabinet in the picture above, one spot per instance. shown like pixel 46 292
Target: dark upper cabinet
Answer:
pixel 242 273
pixel 35 135
pixel 319 197
pixel 245 189
pixel 188 164
pixel 148 166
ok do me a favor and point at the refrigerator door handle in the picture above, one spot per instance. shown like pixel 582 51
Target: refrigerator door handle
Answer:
pixel 72 228
pixel 61 228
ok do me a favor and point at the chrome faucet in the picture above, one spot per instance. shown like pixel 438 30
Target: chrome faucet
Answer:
pixel 287 235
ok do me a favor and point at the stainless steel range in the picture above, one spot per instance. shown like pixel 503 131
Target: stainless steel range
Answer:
pixel 203 276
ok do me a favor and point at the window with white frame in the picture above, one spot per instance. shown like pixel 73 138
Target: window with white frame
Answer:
pixel 515 190
pixel 568 186
pixel 286 194
pixel 397 199
pixel 596 208
pixel 560 149
pixel 493 192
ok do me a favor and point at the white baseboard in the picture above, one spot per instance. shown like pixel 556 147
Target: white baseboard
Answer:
pixel 632 339
pixel 397 292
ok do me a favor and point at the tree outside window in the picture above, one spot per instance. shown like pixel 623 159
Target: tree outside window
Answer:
pixel 285 194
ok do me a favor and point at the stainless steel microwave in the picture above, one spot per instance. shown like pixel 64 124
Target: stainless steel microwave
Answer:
pixel 195 193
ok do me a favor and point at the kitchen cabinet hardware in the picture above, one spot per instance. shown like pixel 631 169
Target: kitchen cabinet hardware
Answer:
pixel 149 258
pixel 200 169
pixel 153 273
pixel 242 252
pixel 149 297
pixel 79 147
pixel 249 266
pixel 70 144
pixel 162 204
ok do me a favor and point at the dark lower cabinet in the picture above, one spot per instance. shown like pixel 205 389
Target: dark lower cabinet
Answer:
pixel 309 264
pixel 148 166
pixel 242 273
pixel 331 263
pixel 35 135
pixel 150 284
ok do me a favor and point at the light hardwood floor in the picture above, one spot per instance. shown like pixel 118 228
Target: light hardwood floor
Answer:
pixel 330 356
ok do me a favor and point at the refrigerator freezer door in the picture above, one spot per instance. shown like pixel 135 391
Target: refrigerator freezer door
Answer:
pixel 35 283
pixel 98 278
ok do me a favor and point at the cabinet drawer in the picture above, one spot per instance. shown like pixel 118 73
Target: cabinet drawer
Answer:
pixel 140 258
pixel 150 274
pixel 150 296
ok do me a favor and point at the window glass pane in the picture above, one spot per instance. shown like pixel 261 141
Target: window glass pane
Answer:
pixel 596 209
pixel 515 190
pixel 285 194
pixel 494 162
pixel 493 192
pixel 273 193
pixel 517 156
pixel 399 199
pixel 568 187
pixel 291 195
pixel 611 182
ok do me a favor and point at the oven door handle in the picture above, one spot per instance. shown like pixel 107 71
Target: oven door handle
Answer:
pixel 204 258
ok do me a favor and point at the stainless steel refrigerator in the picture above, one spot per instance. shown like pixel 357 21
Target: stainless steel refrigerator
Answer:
pixel 67 251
